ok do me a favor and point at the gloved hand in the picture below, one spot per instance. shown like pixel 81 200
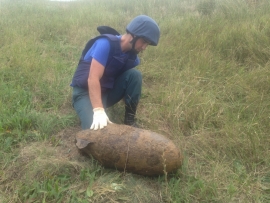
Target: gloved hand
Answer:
pixel 100 119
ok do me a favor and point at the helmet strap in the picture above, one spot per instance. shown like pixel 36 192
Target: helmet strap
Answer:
pixel 133 42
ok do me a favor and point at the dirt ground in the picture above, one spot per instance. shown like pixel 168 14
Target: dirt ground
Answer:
pixel 66 143
pixel 38 160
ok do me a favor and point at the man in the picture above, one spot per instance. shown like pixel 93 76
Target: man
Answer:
pixel 106 74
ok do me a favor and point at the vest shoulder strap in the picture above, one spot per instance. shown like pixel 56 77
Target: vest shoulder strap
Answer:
pixel 104 31
pixel 112 38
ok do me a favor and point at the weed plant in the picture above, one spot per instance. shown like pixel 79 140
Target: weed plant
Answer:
pixel 206 86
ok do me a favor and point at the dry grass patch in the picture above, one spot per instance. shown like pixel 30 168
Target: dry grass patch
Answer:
pixel 55 162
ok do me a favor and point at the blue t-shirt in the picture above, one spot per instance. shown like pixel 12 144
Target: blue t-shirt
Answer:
pixel 100 52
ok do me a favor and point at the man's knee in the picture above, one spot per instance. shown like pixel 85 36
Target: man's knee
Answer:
pixel 83 107
pixel 135 74
pixel 84 112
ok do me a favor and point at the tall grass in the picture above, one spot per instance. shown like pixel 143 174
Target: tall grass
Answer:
pixel 206 87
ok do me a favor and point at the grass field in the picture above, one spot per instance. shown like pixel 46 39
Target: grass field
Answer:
pixel 206 86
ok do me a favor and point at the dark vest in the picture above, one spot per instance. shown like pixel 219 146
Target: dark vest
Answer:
pixel 115 66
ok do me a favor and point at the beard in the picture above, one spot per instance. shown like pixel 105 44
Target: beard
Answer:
pixel 134 51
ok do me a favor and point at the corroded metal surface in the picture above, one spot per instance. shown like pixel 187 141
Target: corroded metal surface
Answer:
pixel 130 149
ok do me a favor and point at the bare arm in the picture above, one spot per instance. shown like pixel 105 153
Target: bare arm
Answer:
pixel 94 88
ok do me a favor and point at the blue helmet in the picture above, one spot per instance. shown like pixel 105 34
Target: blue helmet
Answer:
pixel 145 27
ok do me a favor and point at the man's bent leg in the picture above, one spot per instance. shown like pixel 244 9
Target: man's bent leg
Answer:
pixel 82 105
pixel 127 86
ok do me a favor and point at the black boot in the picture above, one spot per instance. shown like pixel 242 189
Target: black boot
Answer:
pixel 130 112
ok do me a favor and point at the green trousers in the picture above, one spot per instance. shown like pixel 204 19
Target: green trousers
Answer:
pixel 127 86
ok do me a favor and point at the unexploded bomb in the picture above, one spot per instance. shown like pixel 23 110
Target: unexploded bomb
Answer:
pixel 130 149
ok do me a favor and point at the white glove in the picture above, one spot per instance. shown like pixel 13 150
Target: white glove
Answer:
pixel 100 119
